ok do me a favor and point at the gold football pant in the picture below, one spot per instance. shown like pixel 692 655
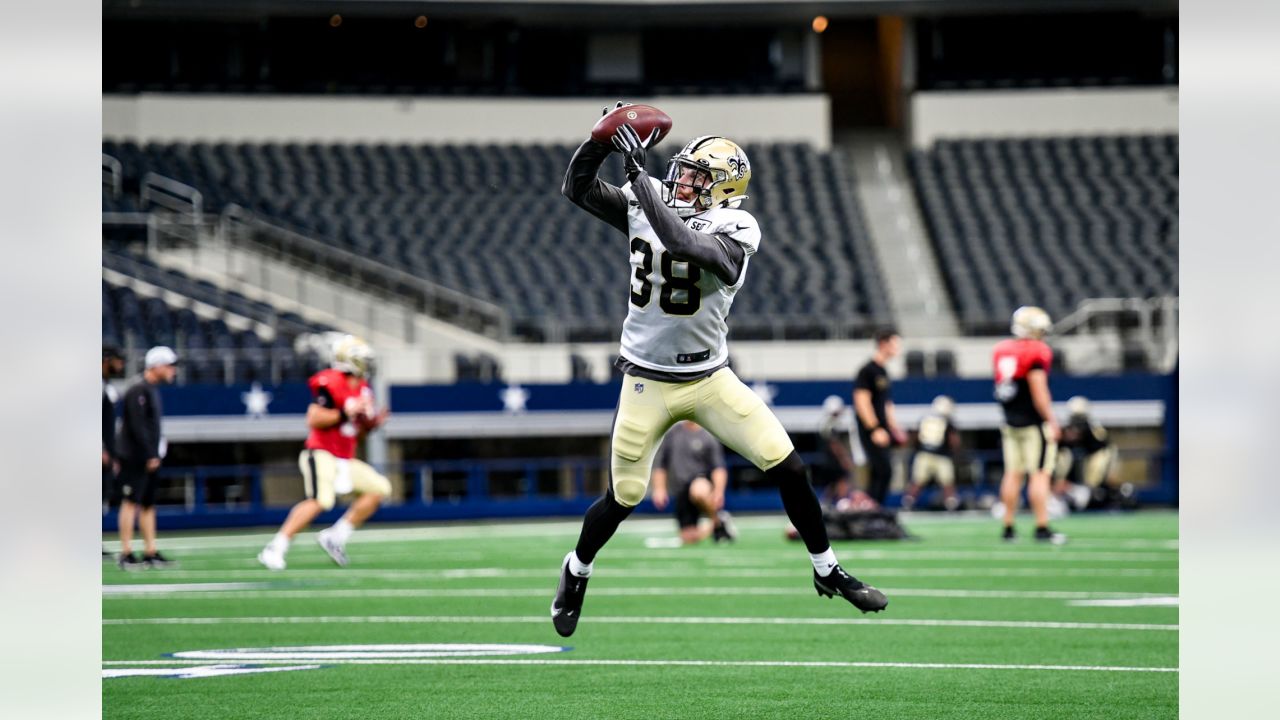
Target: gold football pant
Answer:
pixel 1028 449
pixel 932 465
pixel 1097 465
pixel 721 403
pixel 325 477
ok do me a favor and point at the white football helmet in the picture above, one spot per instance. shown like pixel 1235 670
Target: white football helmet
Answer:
pixel 353 355
pixel 944 406
pixel 1078 405
pixel 832 405
pixel 1030 321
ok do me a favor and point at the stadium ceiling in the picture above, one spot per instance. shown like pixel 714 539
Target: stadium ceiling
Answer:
pixel 593 11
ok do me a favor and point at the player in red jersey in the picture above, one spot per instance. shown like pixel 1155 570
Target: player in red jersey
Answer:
pixel 341 411
pixel 1030 432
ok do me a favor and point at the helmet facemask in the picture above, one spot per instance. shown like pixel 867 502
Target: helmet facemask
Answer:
pixel 714 168
pixel 682 173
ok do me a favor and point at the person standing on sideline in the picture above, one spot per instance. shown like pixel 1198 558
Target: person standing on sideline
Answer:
pixel 878 428
pixel 142 448
pixel 694 461
pixel 112 367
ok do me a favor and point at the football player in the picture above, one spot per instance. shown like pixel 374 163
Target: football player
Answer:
pixel 1030 432
pixel 937 441
pixel 342 410
pixel 1097 455
pixel 690 246
pixel 694 461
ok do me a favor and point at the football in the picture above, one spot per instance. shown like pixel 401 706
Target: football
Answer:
pixel 644 118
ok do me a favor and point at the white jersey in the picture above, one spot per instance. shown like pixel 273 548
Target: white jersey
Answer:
pixel 676 319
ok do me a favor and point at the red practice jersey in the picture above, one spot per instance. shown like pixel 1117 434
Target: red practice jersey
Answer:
pixel 329 389
pixel 1013 359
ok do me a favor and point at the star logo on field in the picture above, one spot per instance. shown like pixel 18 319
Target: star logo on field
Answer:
pixel 765 391
pixel 256 401
pixel 514 398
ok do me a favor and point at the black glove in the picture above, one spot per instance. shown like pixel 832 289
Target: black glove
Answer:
pixel 628 142
pixel 606 109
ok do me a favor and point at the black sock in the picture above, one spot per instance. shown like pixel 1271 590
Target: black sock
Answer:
pixel 801 503
pixel 601 521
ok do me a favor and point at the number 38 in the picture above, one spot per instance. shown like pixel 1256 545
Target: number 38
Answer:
pixel 642 288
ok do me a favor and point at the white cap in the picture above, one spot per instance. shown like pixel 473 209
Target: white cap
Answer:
pixel 160 355
pixel 832 405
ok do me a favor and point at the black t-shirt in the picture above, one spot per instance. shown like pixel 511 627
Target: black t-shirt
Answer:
pixel 874 378
pixel 140 432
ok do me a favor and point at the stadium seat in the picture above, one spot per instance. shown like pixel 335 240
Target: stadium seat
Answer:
pixel 489 220
pixel 1050 221
pixel 915 364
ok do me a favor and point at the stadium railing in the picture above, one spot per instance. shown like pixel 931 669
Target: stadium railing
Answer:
pixel 239 226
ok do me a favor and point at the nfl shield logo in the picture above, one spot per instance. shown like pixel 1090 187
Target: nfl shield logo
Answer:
pixel 639 387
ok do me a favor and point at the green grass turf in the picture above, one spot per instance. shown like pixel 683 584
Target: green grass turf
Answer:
pixel 473 583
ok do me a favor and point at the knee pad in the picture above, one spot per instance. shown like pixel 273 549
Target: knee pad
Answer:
pixel 629 490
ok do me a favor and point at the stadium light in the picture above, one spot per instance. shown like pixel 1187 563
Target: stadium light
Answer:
pixel 820 23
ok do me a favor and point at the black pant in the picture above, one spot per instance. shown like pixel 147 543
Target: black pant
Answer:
pixel 881 470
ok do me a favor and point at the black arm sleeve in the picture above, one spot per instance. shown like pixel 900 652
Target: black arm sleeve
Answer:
pixel 589 192
pixel 718 254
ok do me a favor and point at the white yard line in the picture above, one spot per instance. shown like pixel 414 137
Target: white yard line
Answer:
pixel 664 571
pixel 635 620
pixel 660 526
pixel 701 663
pixel 1159 601
pixel 193 591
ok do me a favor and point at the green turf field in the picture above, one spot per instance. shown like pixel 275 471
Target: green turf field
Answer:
pixel 975 628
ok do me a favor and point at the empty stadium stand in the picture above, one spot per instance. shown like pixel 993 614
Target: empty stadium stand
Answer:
pixel 144 305
pixel 1050 221
pixel 489 221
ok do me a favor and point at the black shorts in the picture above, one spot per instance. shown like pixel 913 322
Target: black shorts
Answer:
pixel 687 513
pixel 136 484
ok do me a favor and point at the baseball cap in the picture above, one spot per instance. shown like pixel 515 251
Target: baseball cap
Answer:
pixel 111 352
pixel 160 355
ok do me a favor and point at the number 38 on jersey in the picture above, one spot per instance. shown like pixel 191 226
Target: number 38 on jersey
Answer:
pixel 677 282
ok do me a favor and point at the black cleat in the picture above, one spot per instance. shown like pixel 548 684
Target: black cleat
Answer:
pixel 1009 535
pixel 130 562
pixel 566 609
pixel 157 560
pixel 1045 534
pixel 863 596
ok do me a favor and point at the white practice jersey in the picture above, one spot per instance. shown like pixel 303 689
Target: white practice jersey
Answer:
pixel 676 319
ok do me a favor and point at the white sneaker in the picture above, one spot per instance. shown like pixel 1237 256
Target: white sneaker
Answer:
pixel 271 559
pixel 331 546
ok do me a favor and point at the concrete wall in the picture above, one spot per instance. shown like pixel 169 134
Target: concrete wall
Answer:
pixel 168 117
pixel 1024 113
